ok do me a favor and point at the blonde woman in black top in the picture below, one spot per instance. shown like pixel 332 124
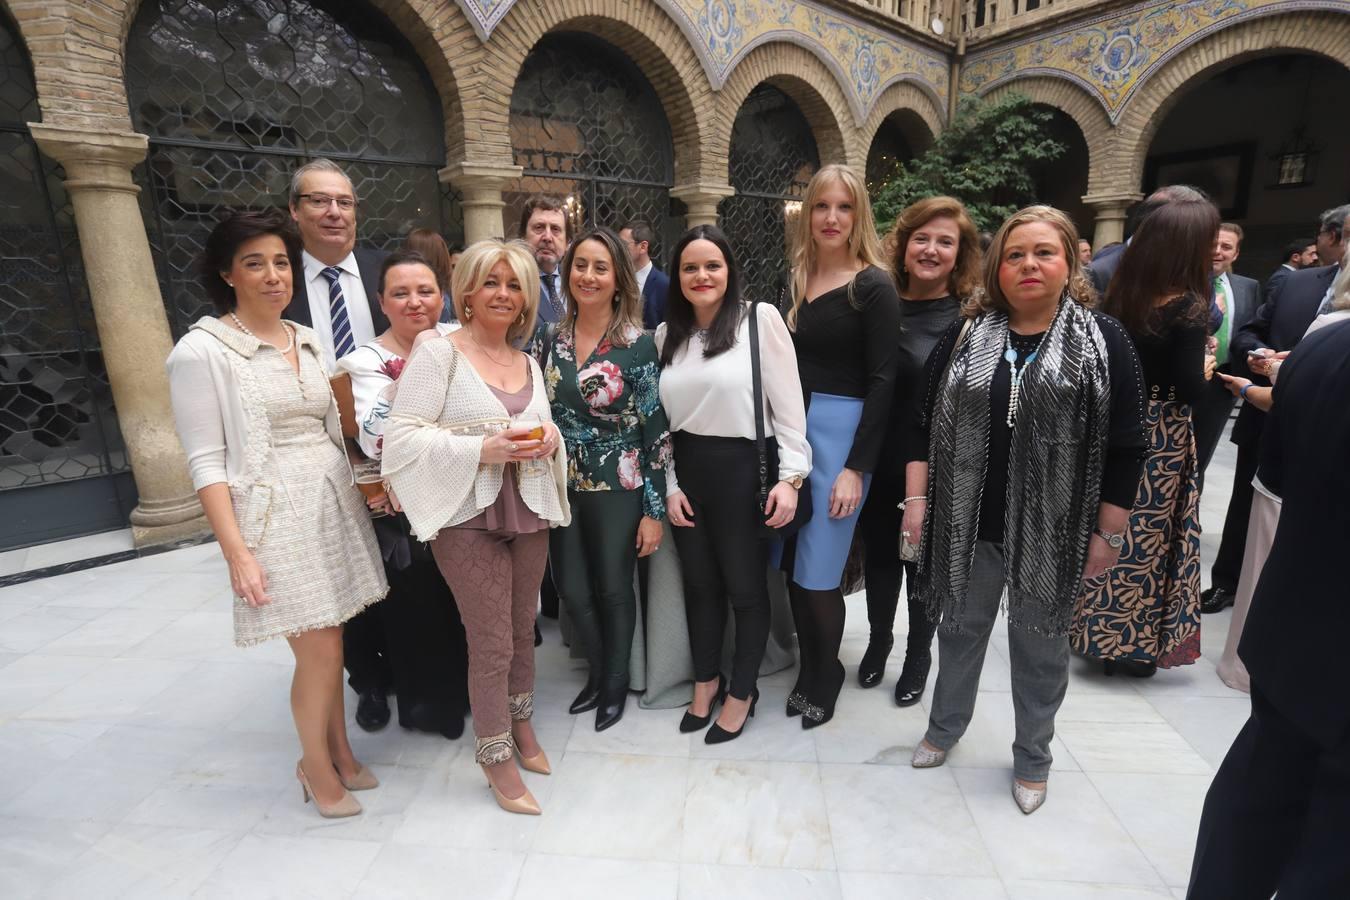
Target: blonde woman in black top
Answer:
pixel 845 323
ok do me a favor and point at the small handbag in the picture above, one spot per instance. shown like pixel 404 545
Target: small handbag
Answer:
pixel 768 462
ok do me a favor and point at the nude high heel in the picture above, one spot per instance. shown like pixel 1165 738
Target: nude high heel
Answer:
pixel 538 764
pixel 347 806
pixel 363 780
pixel 525 804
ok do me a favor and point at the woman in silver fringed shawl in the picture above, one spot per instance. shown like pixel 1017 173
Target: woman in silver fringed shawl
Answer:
pixel 1033 427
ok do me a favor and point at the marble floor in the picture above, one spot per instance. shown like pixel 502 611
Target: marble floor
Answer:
pixel 142 755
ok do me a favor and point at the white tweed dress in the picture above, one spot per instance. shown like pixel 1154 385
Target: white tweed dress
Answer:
pixel 318 548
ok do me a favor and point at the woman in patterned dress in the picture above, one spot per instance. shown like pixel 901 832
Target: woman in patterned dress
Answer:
pixel 602 377
pixel 1146 613
pixel 258 420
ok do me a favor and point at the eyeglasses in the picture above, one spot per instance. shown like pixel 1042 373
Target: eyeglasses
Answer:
pixel 319 202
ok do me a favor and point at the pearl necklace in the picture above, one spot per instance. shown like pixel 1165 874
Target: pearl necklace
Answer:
pixel 290 344
pixel 1016 375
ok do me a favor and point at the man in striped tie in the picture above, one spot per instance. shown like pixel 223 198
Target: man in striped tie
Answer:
pixel 340 301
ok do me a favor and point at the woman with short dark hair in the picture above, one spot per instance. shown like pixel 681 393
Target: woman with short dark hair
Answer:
pixel 1146 614
pixel 257 418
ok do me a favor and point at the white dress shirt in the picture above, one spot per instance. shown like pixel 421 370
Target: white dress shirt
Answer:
pixel 642 274
pixel 713 397
pixel 320 311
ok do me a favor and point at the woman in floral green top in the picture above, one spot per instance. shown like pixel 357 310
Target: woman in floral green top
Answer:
pixel 602 377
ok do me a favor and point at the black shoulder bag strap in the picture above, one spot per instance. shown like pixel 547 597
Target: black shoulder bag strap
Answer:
pixel 758 391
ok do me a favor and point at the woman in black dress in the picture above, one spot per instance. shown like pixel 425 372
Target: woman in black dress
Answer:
pixel 934 250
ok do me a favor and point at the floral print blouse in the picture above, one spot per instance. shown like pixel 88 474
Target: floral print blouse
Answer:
pixel 608 409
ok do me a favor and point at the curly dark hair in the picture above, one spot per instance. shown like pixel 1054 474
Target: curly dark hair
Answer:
pixel 224 242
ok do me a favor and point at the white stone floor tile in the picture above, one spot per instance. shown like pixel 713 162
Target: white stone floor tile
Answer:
pixel 1075 836
pixel 586 878
pixel 146 756
pixel 705 882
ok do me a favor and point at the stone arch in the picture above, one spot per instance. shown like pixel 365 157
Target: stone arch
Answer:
pixel 641 30
pixel 1232 43
pixel 919 117
pixel 1075 102
pixel 92 93
pixel 801 75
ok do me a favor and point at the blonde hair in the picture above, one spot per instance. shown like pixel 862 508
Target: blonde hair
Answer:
pixel 1077 286
pixel 863 242
pixel 625 322
pixel 472 273
pixel 966 275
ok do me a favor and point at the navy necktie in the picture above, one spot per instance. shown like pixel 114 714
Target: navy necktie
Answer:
pixel 343 343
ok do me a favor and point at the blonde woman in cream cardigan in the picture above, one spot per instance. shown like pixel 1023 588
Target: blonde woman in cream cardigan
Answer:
pixel 472 457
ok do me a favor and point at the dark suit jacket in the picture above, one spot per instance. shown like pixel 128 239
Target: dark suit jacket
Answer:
pixel 368 262
pixel 1293 642
pixel 1246 301
pixel 654 298
pixel 1279 324
pixel 1280 274
pixel 1104 266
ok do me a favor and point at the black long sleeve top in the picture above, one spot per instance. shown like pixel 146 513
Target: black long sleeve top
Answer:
pixel 1172 355
pixel 1126 444
pixel 850 349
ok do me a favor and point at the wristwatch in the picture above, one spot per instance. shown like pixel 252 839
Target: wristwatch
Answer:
pixel 1115 540
pixel 795 481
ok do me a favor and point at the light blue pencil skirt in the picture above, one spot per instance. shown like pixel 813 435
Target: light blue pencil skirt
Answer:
pixel 822 546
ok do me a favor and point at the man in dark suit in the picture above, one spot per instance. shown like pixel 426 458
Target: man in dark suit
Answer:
pixel 546 227
pixel 1298 254
pixel 1237 298
pixel 337 294
pixel 1107 260
pixel 1279 324
pixel 1277 816
pixel 652 282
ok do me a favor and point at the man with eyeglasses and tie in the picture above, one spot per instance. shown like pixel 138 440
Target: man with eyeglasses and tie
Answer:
pixel 339 299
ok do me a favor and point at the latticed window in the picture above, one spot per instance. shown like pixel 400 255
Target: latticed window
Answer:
pixel 773 156
pixel 236 94
pixel 587 126
pixel 62 464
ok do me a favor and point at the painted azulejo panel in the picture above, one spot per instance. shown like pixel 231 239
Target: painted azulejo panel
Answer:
pixel 1111 56
pixel 865 60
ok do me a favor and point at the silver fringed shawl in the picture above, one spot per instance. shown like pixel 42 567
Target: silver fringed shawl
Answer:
pixel 1055 465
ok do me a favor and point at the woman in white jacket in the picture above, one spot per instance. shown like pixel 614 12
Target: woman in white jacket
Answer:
pixel 257 418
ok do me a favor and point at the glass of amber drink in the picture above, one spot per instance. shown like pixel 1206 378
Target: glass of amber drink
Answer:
pixel 370 482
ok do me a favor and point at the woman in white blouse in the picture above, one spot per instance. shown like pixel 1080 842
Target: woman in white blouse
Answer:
pixel 419 620
pixel 473 458
pixel 257 418
pixel 712 493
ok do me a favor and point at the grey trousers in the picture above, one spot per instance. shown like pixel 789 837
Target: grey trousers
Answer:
pixel 1040 672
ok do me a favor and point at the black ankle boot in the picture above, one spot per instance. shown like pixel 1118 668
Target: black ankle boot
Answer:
pixel 589 698
pixel 872 669
pixel 819 707
pixel 913 678
pixel 719 735
pixel 613 699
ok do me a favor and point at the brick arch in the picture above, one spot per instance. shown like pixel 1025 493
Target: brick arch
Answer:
pixel 1082 107
pixel 1232 43
pixel 93 93
pixel 801 75
pixel 639 29
pixel 903 97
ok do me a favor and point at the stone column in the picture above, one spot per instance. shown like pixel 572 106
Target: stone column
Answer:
pixel 701 199
pixel 1110 210
pixel 480 189
pixel 132 325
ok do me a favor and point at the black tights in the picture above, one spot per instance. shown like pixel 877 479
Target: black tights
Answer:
pixel 819 616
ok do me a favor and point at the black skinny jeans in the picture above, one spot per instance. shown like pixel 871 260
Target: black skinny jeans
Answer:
pixel 594 561
pixel 723 558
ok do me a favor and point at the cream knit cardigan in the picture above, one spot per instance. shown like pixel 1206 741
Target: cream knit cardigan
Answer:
pixel 434 435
